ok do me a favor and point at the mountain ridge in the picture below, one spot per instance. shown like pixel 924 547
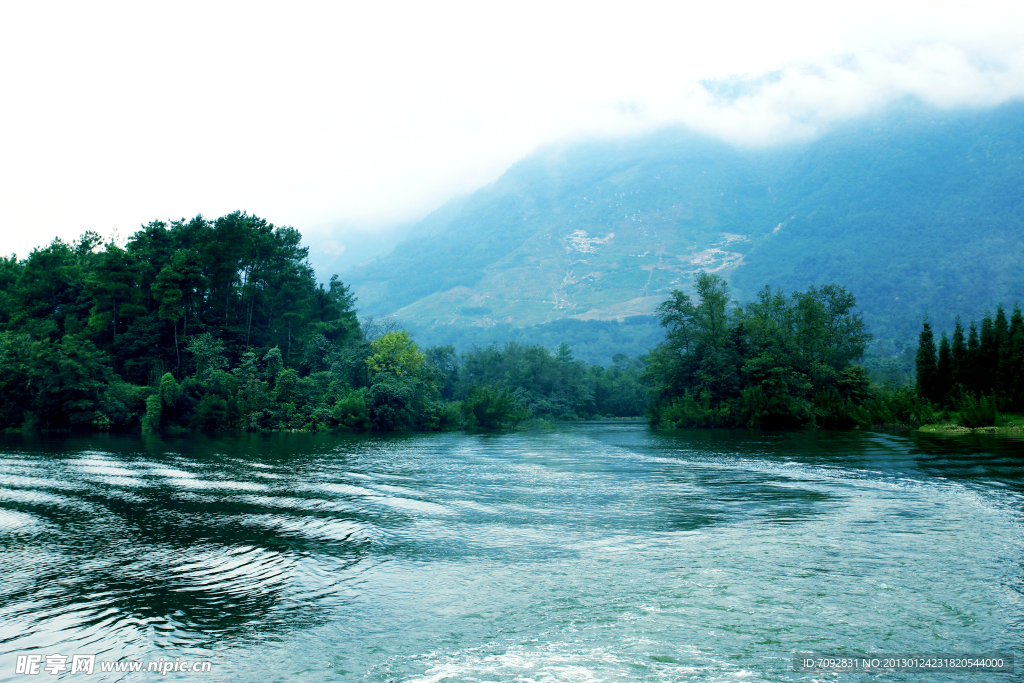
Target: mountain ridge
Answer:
pixel 914 210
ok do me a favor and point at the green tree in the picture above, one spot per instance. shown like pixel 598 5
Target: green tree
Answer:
pixel 973 379
pixel 395 353
pixel 1012 364
pixel 927 365
pixel 988 356
pixel 207 354
pixel 493 407
pixel 958 360
pixel 113 286
pixel 944 370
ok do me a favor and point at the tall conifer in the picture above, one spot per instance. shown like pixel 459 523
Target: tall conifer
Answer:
pixel 926 365
pixel 1014 361
pixel 1000 366
pixel 959 371
pixel 944 370
pixel 973 351
pixel 988 355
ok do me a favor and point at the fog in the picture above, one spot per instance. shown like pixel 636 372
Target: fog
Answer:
pixel 336 118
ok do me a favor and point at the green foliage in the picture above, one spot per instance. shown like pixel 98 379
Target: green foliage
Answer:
pixel 151 420
pixel 351 412
pixel 54 385
pixel 778 362
pixel 396 353
pixel 618 389
pixel 594 341
pixel 123 404
pixel 441 416
pixel 493 407
pixel 220 325
pixel 273 361
pixel 390 403
pixel 977 412
pixel 927 366
pixel 211 414
pixel 208 354
pixel 978 378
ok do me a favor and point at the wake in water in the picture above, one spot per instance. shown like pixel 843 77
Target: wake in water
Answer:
pixel 593 553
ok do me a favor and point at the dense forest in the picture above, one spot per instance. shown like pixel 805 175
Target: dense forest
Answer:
pixel 974 377
pixel 777 362
pixel 792 361
pixel 220 324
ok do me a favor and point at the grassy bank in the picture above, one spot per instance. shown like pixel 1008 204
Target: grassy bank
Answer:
pixel 1005 423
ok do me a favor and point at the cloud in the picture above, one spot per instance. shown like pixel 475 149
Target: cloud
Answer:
pixel 330 116
pixel 799 101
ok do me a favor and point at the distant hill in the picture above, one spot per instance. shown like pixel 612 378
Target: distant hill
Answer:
pixel 916 211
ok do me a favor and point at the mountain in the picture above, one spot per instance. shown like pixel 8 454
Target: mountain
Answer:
pixel 914 210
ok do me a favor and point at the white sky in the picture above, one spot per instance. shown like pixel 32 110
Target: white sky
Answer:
pixel 330 116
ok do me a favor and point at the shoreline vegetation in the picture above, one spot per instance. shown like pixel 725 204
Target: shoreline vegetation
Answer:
pixel 216 325
pixel 220 325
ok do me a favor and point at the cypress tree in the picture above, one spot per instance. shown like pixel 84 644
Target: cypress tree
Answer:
pixel 1014 361
pixel 973 350
pixel 959 373
pixel 925 363
pixel 1000 365
pixel 988 356
pixel 944 370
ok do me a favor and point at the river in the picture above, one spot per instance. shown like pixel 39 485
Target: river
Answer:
pixel 590 552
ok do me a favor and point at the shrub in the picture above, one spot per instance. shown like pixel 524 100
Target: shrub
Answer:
pixel 211 414
pixel 493 408
pixel 978 413
pixel 351 413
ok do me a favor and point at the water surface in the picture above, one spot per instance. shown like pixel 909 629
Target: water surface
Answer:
pixel 594 552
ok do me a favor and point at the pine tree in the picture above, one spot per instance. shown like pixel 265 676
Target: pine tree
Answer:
pixel 1000 365
pixel 959 369
pixel 927 368
pixel 944 370
pixel 988 356
pixel 973 383
pixel 1013 367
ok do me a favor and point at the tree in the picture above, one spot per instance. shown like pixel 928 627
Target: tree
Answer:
pixel 207 354
pixel 176 289
pixel 958 360
pixel 944 370
pixel 334 312
pixel 973 379
pixel 114 288
pixel 395 353
pixel 1000 369
pixel 926 364
pixel 492 408
pixel 1012 366
pixel 780 361
pixel 988 356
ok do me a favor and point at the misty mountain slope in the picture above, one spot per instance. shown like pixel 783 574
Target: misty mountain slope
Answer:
pixel 915 211
pixel 597 231
pixel 919 214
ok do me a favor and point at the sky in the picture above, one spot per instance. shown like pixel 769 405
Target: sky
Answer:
pixel 343 117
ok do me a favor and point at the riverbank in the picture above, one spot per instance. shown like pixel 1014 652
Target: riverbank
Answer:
pixel 1006 424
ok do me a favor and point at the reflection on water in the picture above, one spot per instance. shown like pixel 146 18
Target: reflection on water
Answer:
pixel 595 552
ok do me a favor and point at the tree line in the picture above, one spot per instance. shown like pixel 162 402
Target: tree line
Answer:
pixel 975 375
pixel 777 362
pixel 792 361
pixel 220 324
